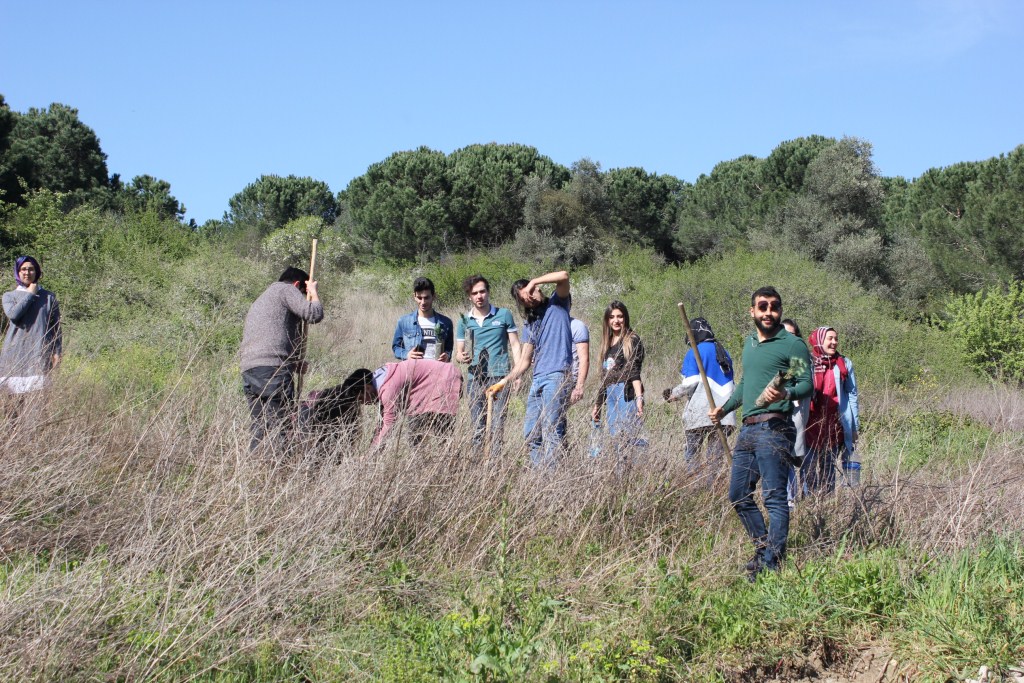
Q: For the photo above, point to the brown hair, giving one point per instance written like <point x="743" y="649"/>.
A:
<point x="628" y="336"/>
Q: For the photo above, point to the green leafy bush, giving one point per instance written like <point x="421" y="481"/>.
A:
<point x="290" y="245"/>
<point x="987" y="328"/>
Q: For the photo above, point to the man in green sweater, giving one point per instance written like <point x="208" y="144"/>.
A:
<point x="764" y="449"/>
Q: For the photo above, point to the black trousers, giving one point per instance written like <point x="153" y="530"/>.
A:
<point x="271" y="396"/>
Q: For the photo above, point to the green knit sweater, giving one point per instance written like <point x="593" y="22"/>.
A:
<point x="762" y="360"/>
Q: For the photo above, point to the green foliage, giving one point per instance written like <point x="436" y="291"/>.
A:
<point x="272" y="201"/>
<point x="98" y="262"/>
<point x="930" y="438"/>
<point x="135" y="369"/>
<point x="634" y="660"/>
<point x="969" y="609"/>
<point x="146" y="193"/>
<point x="400" y="205"/>
<point x="499" y="633"/>
<point x="570" y="225"/>
<point x="785" y="169"/>
<point x="643" y="206"/>
<point x="836" y="218"/>
<point x="51" y="149"/>
<point x="987" y="328"/>
<point x="967" y="217"/>
<point x="291" y="245"/>
<point x="7" y="120"/>
<point x="720" y="208"/>
<point x="824" y="606"/>
<point x="487" y="189"/>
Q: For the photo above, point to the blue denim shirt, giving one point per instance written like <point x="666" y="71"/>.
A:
<point x="849" y="408"/>
<point x="408" y="334"/>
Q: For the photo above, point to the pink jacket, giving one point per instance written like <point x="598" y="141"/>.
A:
<point x="418" y="386"/>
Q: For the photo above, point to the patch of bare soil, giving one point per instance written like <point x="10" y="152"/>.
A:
<point x="871" y="665"/>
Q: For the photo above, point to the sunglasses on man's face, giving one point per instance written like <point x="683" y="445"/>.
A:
<point x="763" y="306"/>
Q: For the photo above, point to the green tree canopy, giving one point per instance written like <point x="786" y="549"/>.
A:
<point x="968" y="218"/>
<point x="400" y="206"/>
<point x="719" y="208"/>
<point x="7" y="120"/>
<point x="272" y="201"/>
<point x="643" y="206"/>
<point x="488" y="189"/>
<point x="52" y="149"/>
<point x="836" y="218"/>
<point x="146" y="193"/>
<point x="784" y="170"/>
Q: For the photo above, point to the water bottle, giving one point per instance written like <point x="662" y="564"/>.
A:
<point x="851" y="470"/>
<point x="596" y="437"/>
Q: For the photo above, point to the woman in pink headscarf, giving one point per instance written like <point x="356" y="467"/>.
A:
<point x="834" y="420"/>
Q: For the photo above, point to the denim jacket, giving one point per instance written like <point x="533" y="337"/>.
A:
<point x="849" y="408"/>
<point x="408" y="335"/>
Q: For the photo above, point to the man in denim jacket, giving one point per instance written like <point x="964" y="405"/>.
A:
<point x="424" y="333"/>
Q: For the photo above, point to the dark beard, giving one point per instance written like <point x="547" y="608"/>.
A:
<point x="769" y="331"/>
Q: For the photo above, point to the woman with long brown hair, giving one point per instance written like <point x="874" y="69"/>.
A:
<point x="621" y="390"/>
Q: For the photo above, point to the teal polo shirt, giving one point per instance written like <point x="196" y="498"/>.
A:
<point x="491" y="333"/>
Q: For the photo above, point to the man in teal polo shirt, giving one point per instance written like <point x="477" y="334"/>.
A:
<point x="493" y="333"/>
<point x="764" y="448"/>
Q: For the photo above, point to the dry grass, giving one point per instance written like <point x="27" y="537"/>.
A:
<point x="137" y="535"/>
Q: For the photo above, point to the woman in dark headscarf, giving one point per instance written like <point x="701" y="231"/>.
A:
<point x="33" y="344"/>
<point x="834" y="420"/>
<point x="718" y="366"/>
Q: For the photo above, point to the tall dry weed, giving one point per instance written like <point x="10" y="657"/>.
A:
<point x="141" y="538"/>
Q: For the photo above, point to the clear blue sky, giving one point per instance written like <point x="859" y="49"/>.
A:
<point x="210" y="95"/>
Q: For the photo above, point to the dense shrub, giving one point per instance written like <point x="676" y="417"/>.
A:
<point x="290" y="246"/>
<point x="987" y="328"/>
<point x="885" y="347"/>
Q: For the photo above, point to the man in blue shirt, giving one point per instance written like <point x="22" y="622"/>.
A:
<point x="424" y="333"/>
<point x="483" y="338"/>
<point x="547" y="346"/>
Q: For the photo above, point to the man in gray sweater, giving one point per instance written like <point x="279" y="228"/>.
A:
<point x="270" y="352"/>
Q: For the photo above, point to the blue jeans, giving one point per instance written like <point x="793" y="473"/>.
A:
<point x="544" y="425"/>
<point x="762" y="452"/>
<point x="478" y="410"/>
<point x="622" y="419"/>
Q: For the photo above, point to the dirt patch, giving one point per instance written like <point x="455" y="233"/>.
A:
<point x="870" y="665"/>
